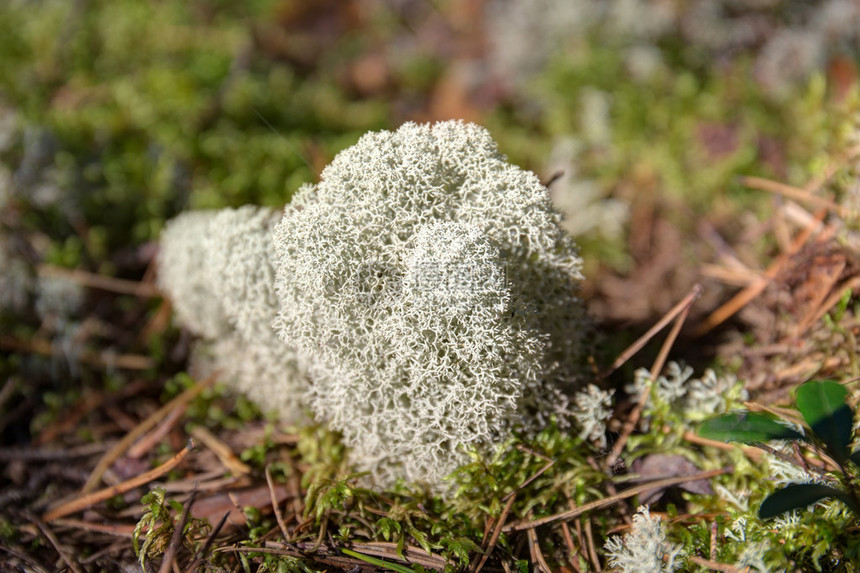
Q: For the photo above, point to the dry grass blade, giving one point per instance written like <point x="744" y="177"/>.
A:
<point x="224" y="453"/>
<point x="86" y="501"/>
<point x="99" y="360"/>
<point x="685" y="303"/>
<point x="46" y="531"/>
<point x="744" y="297"/>
<point x="101" y="282"/>
<point x="592" y="550"/>
<point x="749" y="451"/>
<point x="636" y="413"/>
<point x="276" y="507"/>
<point x="802" y="195"/>
<point x="535" y="552"/>
<point x="714" y="565"/>
<point x="150" y="440"/>
<point x="825" y="305"/>
<point x="571" y="548"/>
<point x="33" y="565"/>
<point x="412" y="554"/>
<point x="208" y="545"/>
<point x="117" y="530"/>
<point x="600" y="503"/>
<point x="728" y="275"/>
<point x="141" y="429"/>
<point x="71" y="419"/>
<point x="490" y="543"/>
<point x="534" y="476"/>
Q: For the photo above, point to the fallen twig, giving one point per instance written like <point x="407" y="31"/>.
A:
<point x="276" y="506"/>
<point x="570" y="514"/>
<point x="115" y="452"/>
<point x="91" y="280"/>
<point x="683" y="309"/>
<point x="86" y="501"/>
<point x="685" y="303"/>
<point x="226" y="456"/>
<point x="46" y="531"/>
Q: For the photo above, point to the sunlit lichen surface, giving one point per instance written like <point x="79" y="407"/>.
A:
<point x="642" y="117"/>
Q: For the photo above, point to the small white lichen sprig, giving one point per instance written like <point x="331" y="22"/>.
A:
<point x="216" y="266"/>
<point x="645" y="549"/>
<point x="694" y="399"/>
<point x="430" y="285"/>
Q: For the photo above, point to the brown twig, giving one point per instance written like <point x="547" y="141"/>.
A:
<point x="490" y="543"/>
<point x="224" y="453"/>
<point x="86" y="501"/>
<point x="275" y="505"/>
<point x="600" y="503"/>
<point x="115" y="452"/>
<point x="97" y="359"/>
<point x="741" y="299"/>
<point x="685" y="303"/>
<point x="46" y="531"/>
<point x="791" y="192"/>
<point x="662" y="356"/>
<point x="91" y="280"/>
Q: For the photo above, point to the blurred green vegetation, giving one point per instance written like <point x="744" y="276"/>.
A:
<point x="151" y="108"/>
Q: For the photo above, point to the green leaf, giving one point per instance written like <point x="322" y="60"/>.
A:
<point x="746" y="427"/>
<point x="824" y="406"/>
<point x="797" y="496"/>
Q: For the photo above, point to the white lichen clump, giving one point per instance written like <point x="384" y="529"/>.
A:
<point x="185" y="274"/>
<point x="421" y="299"/>
<point x="216" y="266"/>
<point x="645" y="549"/>
<point x="430" y="286"/>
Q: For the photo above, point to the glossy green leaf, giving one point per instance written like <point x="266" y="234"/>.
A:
<point x="746" y="427"/>
<point x="824" y="406"/>
<point x="798" y="496"/>
<point x="855" y="457"/>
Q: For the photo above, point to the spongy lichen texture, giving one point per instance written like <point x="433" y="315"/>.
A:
<point x="216" y="267"/>
<point x="428" y="283"/>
